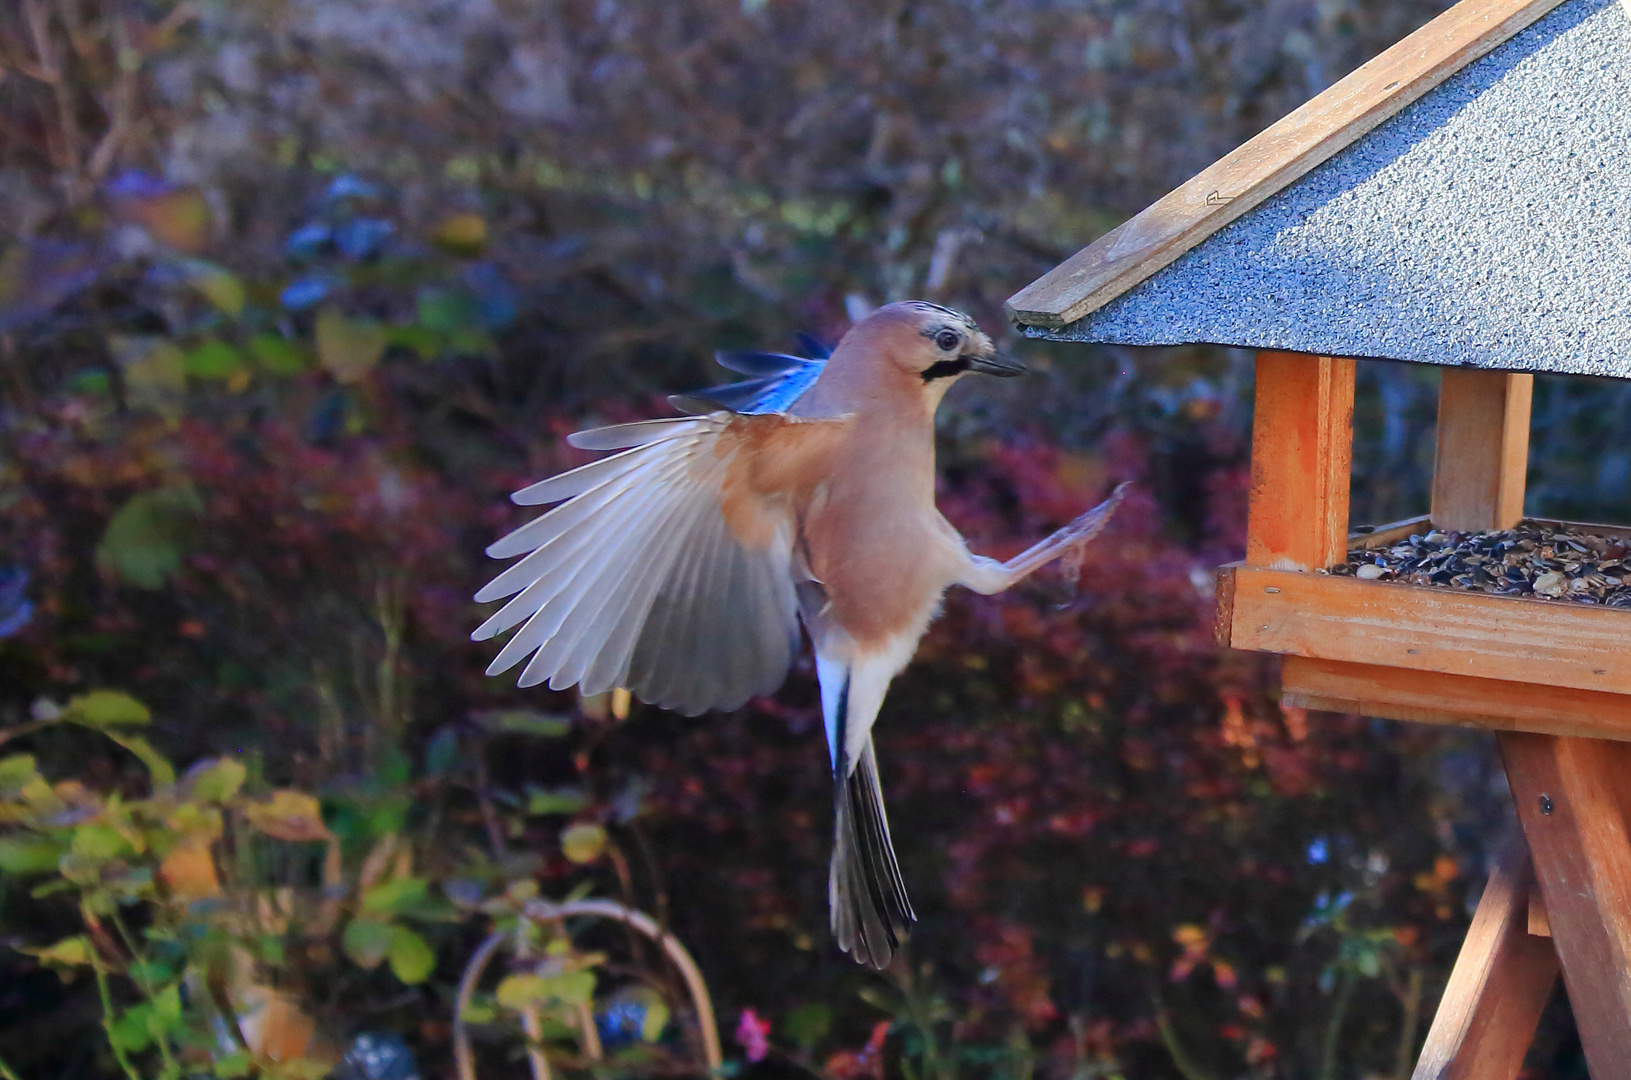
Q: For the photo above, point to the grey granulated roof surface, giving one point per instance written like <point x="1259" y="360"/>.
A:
<point x="1487" y="224"/>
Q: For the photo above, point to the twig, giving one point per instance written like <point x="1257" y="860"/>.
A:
<point x="390" y="602"/>
<point x="590" y="1036"/>
<point x="50" y="72"/>
<point x="648" y="855"/>
<point x="179" y="16"/>
<point x="1169" y="1039"/>
<point x="1333" y="1030"/>
<point x="120" y="110"/>
<point x="1404" y="1062"/>
<point x="484" y="799"/>
<point x="17" y="732"/>
<point x="145" y="984"/>
<point x="463" y="1060"/>
<point x="533" y="1025"/>
<point x="107" y="1023"/>
<point x="625" y="884"/>
<point x="531" y="1022"/>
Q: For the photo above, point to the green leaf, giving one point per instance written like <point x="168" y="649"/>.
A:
<point x="219" y="286"/>
<point x="395" y="896"/>
<point x="654" y="1020"/>
<point x="367" y="941"/>
<point x="809" y="1024"/>
<point x="145" y="539"/>
<point x="31" y="855"/>
<point x="99" y="843"/>
<point x="234" y="1065"/>
<point x="346" y="347"/>
<point x="421" y="340"/>
<point x="393" y="768"/>
<point x="160" y="769"/>
<point x="151" y="971"/>
<point x="583" y="843"/>
<point x="91" y="382"/>
<point x="290" y="815"/>
<point x="214" y="359"/>
<point x="462" y="233"/>
<point x="527" y="722"/>
<point x="193" y="820"/>
<point x="16" y="772"/>
<point x="521" y="991"/>
<point x="69" y="953"/>
<point x="571" y="987"/>
<point x="106" y="709"/>
<point x="155" y="372"/>
<point x="133" y="1032"/>
<point x="277" y="355"/>
<point x="167" y="1007"/>
<point x="449" y="313"/>
<point x="411" y="959"/>
<point x="480" y="1012"/>
<point x="218" y="781"/>
<point x="564" y="800"/>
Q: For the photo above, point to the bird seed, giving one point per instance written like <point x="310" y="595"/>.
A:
<point x="1529" y="560"/>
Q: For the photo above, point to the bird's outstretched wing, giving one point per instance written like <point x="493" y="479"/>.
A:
<point x="666" y="568"/>
<point x="777" y="381"/>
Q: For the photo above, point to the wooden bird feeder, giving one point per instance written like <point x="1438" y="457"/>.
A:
<point x="1459" y="200"/>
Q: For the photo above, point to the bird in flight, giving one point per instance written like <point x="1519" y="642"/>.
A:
<point x="682" y="566"/>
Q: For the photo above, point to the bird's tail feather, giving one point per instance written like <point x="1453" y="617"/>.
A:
<point x="870" y="911"/>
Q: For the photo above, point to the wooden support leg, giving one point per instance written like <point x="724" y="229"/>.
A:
<point x="1500" y="984"/>
<point x="1504" y="975"/>
<point x="1572" y="796"/>
<point x="1302" y="452"/>
<point x="1483" y="449"/>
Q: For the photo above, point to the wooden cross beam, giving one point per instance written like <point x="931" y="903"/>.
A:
<point x="1487" y="1016"/>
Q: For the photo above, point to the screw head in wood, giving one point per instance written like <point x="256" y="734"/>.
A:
<point x="1546" y="804"/>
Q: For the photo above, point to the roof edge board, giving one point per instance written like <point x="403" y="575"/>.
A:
<point x="1266" y="164"/>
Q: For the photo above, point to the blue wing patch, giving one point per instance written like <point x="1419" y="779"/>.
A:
<point x="778" y="381"/>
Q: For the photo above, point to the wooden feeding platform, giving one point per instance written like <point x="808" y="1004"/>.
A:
<point x="1459" y="201"/>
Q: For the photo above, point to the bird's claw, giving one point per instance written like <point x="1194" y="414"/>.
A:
<point x="1088" y="525"/>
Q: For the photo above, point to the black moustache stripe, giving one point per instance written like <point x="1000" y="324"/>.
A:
<point x="940" y="369"/>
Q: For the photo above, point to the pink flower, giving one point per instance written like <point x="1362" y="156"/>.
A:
<point x="754" y="1035"/>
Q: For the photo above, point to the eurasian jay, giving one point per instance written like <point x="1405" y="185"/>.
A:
<point x="682" y="567"/>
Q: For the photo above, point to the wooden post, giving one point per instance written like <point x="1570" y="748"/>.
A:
<point x="1503" y="975"/>
<point x="1483" y="449"/>
<point x="1572" y="797"/>
<point x="1501" y="982"/>
<point x="1302" y="451"/>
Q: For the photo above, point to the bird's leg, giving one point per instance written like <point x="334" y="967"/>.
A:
<point x="989" y="576"/>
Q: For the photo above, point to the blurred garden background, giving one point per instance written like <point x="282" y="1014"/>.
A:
<point x="293" y="293"/>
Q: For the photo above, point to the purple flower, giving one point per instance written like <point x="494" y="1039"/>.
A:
<point x="754" y="1035"/>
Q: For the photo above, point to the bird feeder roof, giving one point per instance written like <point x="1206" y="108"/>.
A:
<point x="1460" y="199"/>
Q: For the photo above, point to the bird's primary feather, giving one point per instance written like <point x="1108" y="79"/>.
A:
<point x="666" y="568"/>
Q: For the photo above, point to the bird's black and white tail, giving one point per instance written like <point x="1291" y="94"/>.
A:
<point x="870" y="911"/>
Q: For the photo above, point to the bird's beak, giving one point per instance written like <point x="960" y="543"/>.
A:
<point x="997" y="365"/>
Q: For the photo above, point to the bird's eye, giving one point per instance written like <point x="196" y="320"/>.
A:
<point x="948" y="339"/>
